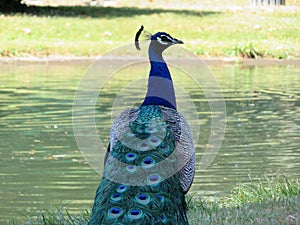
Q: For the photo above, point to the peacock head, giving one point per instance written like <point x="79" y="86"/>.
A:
<point x="159" y="41"/>
<point x="165" y="39"/>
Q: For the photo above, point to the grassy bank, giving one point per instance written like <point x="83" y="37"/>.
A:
<point x="91" y="31"/>
<point x="272" y="200"/>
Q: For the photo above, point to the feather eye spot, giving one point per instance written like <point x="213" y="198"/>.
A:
<point x="116" y="197"/>
<point x="144" y="146"/>
<point x="148" y="162"/>
<point x="122" y="188"/>
<point x="142" y="198"/>
<point x="135" y="214"/>
<point x="130" y="156"/>
<point x="115" y="212"/>
<point x="131" y="168"/>
<point x="154" y="141"/>
<point x="153" y="179"/>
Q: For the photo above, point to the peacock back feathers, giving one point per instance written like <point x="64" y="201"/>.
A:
<point x="149" y="168"/>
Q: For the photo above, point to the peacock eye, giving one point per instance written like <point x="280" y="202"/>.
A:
<point x="165" y="39"/>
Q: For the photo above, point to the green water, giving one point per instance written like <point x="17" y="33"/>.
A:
<point x="42" y="167"/>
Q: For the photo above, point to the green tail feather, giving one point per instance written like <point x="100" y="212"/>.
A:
<point x="138" y="156"/>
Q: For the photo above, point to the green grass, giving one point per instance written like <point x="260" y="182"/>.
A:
<point x="283" y="211"/>
<point x="274" y="188"/>
<point x="272" y="200"/>
<point x="60" y="216"/>
<point x="93" y="31"/>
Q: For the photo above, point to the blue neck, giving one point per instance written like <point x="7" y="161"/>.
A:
<point x="160" y="85"/>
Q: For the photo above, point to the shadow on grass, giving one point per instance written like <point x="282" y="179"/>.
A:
<point x="103" y="12"/>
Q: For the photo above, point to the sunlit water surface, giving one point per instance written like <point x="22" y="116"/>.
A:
<point x="42" y="167"/>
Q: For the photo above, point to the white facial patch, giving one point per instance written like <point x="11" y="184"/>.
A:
<point x="164" y="42"/>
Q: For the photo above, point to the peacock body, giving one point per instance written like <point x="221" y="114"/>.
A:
<point x="150" y="160"/>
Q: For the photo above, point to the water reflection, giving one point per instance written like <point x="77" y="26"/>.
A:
<point x="41" y="165"/>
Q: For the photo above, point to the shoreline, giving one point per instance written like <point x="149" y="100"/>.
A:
<point x="91" y="59"/>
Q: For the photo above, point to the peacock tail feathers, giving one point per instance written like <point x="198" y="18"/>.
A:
<point x="156" y="131"/>
<point x="144" y="180"/>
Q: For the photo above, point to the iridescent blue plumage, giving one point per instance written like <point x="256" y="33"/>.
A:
<point x="150" y="163"/>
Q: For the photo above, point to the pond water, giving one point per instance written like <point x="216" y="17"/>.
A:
<point x="42" y="167"/>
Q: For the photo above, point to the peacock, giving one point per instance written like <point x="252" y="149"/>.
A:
<point x="150" y="161"/>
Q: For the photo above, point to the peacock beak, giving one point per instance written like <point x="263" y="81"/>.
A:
<point x="176" y="41"/>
